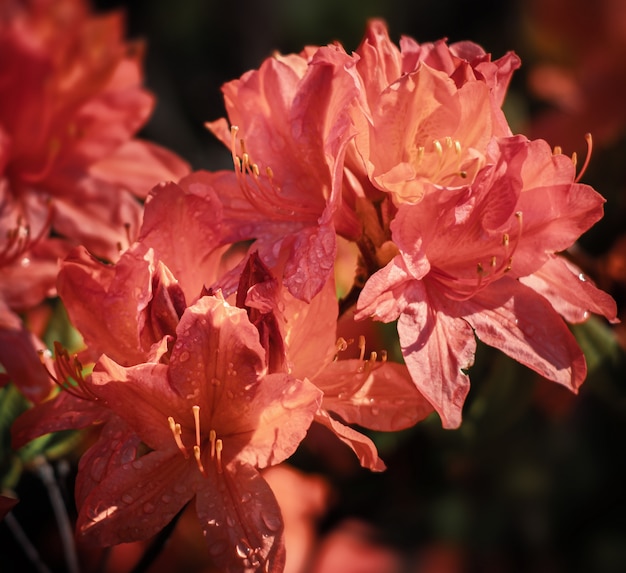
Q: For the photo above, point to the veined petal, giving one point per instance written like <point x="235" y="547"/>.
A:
<point x="360" y="444"/>
<point x="437" y="347"/>
<point x="383" y="395"/>
<point x="525" y="326"/>
<point x="138" y="499"/>
<point x="570" y="291"/>
<point x="241" y="521"/>
<point x="279" y="414"/>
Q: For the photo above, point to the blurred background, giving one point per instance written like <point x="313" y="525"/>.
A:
<point x="535" y="478"/>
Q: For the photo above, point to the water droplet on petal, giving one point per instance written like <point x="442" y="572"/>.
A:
<point x="97" y="468"/>
<point x="246" y="496"/>
<point x="243" y="549"/>
<point x="582" y="277"/>
<point x="272" y="521"/>
<point x="215" y="381"/>
<point x="184" y="356"/>
<point x="230" y="521"/>
<point x="180" y="488"/>
<point x="137" y="464"/>
<point x="585" y="315"/>
<point x="127" y="498"/>
<point x="166" y="498"/>
<point x="148" y="507"/>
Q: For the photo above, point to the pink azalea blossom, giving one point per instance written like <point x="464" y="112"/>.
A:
<point x="289" y="127"/>
<point x="209" y="419"/>
<point x="70" y="103"/>
<point x="301" y="339"/>
<point x="427" y="112"/>
<point x="125" y="309"/>
<point x="481" y="260"/>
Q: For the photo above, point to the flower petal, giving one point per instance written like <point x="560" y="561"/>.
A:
<point x="241" y="520"/>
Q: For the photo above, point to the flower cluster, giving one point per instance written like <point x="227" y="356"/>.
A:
<point x="210" y="311"/>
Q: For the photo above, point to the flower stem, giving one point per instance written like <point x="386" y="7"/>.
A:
<point x="22" y="539"/>
<point x="46" y="474"/>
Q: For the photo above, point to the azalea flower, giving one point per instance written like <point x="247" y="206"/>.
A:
<point x="427" y="112"/>
<point x="209" y="419"/>
<point x="302" y="339"/>
<point x="289" y="127"/>
<point x="70" y="103"/>
<point x="482" y="260"/>
<point x="125" y="309"/>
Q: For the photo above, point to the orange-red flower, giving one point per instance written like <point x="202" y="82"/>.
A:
<point x="209" y="419"/>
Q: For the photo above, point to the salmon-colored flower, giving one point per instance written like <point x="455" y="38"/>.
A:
<point x="301" y="338"/>
<point x="289" y="127"/>
<point x="209" y="419"/>
<point x="124" y="310"/>
<point x="70" y="103"/>
<point x="427" y="111"/>
<point x="481" y="259"/>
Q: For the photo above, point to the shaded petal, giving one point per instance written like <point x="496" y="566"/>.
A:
<point x="106" y="303"/>
<point x="138" y="499"/>
<point x="384" y="396"/>
<point x="360" y="444"/>
<point x="22" y="365"/>
<point x="64" y="412"/>
<point x="241" y="520"/>
<point x="116" y="445"/>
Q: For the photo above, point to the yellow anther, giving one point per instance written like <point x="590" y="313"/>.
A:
<point x="218" y="451"/>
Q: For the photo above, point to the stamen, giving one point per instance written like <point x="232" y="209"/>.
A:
<point x="196" y="454"/>
<point x="177" y="432"/>
<point x="361" y="347"/>
<point x="196" y="419"/>
<point x="438" y="148"/>
<point x="212" y="437"/>
<point x="589" y="141"/>
<point x="218" y="450"/>
<point x="342" y="344"/>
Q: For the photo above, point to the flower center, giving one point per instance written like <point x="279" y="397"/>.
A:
<point x="262" y="191"/>
<point x="216" y="445"/>
<point x="464" y="289"/>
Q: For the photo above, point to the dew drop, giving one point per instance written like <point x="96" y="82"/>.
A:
<point x="127" y="498"/>
<point x="25" y="262"/>
<point x="243" y="549"/>
<point x="166" y="498"/>
<point x="148" y="507"/>
<point x="246" y="496"/>
<point x="230" y="521"/>
<point x="582" y="277"/>
<point x="97" y="468"/>
<point x="184" y="356"/>
<point x="137" y="464"/>
<point x="585" y="315"/>
<point x="180" y="488"/>
<point x="215" y="381"/>
<point x="272" y="521"/>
